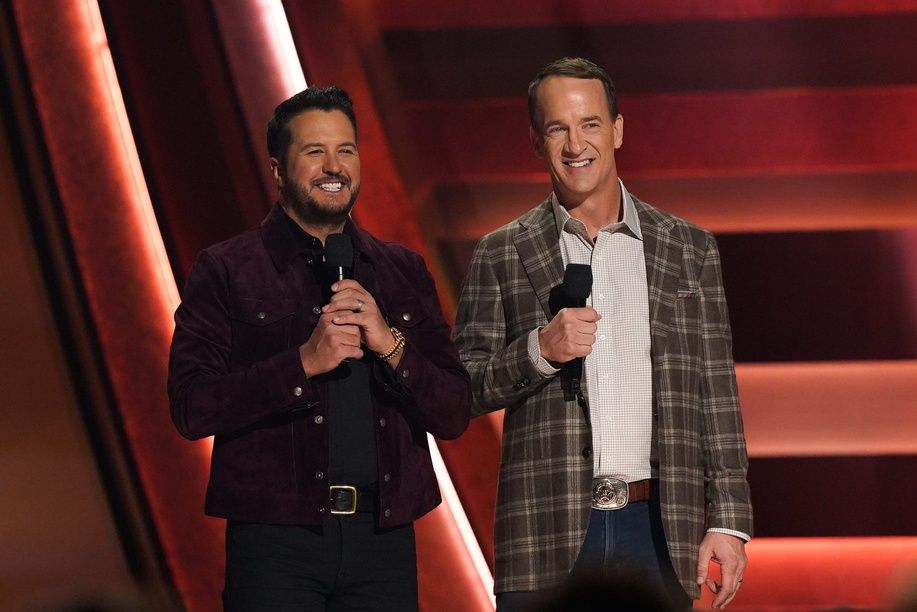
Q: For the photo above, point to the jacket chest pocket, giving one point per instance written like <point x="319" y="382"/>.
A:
<point x="261" y="328"/>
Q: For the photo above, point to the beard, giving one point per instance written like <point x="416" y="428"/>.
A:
<point x="312" y="212"/>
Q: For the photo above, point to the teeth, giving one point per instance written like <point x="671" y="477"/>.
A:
<point x="579" y="164"/>
<point x="332" y="187"/>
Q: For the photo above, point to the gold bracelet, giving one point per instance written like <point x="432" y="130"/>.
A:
<point x="400" y="341"/>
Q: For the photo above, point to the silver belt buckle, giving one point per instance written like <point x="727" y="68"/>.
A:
<point x="609" y="493"/>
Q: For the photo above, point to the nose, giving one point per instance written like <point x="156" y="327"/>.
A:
<point x="573" y="145"/>
<point x="332" y="164"/>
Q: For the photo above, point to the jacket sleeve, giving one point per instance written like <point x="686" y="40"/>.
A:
<point x="502" y="373"/>
<point x="430" y="386"/>
<point x="207" y="395"/>
<point x="725" y="455"/>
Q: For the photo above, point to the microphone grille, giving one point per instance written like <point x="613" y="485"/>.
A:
<point x="338" y="251"/>
<point x="578" y="281"/>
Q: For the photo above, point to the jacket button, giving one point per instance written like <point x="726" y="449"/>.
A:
<point x="319" y="475"/>
<point x="387" y="478"/>
<point x="261" y="315"/>
<point x="321" y="510"/>
<point x="382" y="422"/>
<point x="297" y="391"/>
<point x="387" y="513"/>
<point x="318" y="419"/>
<point x="310" y="261"/>
<point x="317" y="310"/>
<point x="406" y="316"/>
<point x="405" y="373"/>
<point x="587" y="452"/>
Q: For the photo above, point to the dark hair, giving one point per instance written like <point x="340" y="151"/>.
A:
<point x="314" y="98"/>
<point x="577" y="68"/>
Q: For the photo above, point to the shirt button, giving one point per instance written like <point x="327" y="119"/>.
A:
<point x="387" y="478"/>
<point x="261" y="315"/>
<point x="387" y="513"/>
<point x="602" y="337"/>
<point x="601" y="296"/>
<point x="317" y="310"/>
<point x="310" y="261"/>
<point x="319" y="475"/>
<point x="318" y="419"/>
<point x="297" y="391"/>
<point x="382" y="422"/>
<point x="405" y="373"/>
<point x="587" y="452"/>
<point x="406" y="316"/>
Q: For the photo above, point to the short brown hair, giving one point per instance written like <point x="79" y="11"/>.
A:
<point x="577" y="68"/>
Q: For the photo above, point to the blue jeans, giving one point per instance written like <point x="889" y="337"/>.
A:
<point x="624" y="555"/>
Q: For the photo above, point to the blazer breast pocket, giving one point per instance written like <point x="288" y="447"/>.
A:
<point x="261" y="328"/>
<point x="686" y="307"/>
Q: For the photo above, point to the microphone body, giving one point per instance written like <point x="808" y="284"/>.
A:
<point x="573" y="293"/>
<point x="338" y="259"/>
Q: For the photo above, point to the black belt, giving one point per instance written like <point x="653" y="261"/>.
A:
<point x="346" y="499"/>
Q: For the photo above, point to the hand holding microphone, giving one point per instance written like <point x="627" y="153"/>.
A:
<point x="569" y="337"/>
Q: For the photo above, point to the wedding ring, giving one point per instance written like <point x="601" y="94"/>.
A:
<point x="360" y="305"/>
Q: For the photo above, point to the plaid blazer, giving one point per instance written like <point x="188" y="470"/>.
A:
<point x="545" y="486"/>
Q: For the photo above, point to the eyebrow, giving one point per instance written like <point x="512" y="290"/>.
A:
<point x="322" y="145"/>
<point x="592" y="118"/>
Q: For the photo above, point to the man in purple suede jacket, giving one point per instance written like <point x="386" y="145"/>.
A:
<point x="319" y="392"/>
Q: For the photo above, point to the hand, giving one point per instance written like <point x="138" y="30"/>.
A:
<point x="729" y="552"/>
<point x="570" y="334"/>
<point x="351" y="304"/>
<point x="329" y="345"/>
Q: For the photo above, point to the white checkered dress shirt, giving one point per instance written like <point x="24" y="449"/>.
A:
<point x="619" y="370"/>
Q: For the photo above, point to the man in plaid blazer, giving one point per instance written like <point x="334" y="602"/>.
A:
<point x="642" y="470"/>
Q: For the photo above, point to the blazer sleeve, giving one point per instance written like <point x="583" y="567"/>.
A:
<point x="502" y="374"/>
<point x="725" y="455"/>
<point x="206" y="395"/>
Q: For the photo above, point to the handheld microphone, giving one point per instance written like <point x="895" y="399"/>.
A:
<point x="339" y="257"/>
<point x="573" y="293"/>
<point x="338" y="261"/>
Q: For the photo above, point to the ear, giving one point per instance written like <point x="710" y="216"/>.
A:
<point x="618" y="126"/>
<point x="537" y="142"/>
<point x="277" y="172"/>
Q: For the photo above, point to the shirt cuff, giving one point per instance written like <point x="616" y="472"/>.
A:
<point x="739" y="534"/>
<point x="541" y="364"/>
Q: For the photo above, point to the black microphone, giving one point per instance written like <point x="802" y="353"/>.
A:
<point x="339" y="257"/>
<point x="338" y="260"/>
<point x="573" y="293"/>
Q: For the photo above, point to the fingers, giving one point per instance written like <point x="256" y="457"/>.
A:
<point x="569" y="335"/>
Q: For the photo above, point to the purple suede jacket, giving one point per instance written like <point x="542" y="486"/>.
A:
<point x="235" y="373"/>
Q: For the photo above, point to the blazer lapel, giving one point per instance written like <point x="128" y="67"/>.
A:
<point x="539" y="250"/>
<point x="663" y="254"/>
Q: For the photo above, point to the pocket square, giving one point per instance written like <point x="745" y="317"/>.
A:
<point x="685" y="293"/>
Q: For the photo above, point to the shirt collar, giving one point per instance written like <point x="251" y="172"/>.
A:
<point x="284" y="239"/>
<point x="631" y="221"/>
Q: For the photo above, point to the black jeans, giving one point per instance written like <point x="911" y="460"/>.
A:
<point x="346" y="564"/>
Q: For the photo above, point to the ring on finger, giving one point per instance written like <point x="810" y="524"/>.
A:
<point x="360" y="304"/>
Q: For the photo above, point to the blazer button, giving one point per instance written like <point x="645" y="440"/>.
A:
<point x="587" y="452"/>
<point x="318" y="419"/>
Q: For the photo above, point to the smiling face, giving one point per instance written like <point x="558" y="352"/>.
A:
<point x="576" y="137"/>
<point x="319" y="179"/>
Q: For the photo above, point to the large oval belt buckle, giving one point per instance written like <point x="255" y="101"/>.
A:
<point x="609" y="493"/>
